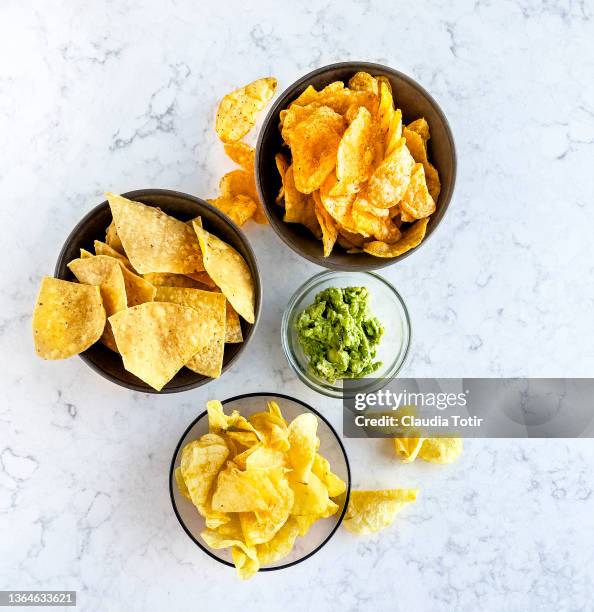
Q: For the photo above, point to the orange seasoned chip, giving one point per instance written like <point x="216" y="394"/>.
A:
<point x="389" y="181"/>
<point x="363" y="81"/>
<point x="314" y="145"/>
<point x="281" y="165"/>
<point x="240" y="182"/>
<point x="418" y="148"/>
<point x="355" y="153"/>
<point x="327" y="223"/>
<point x="370" y="221"/>
<point x="299" y="208"/>
<point x="394" y="132"/>
<point x="242" y="154"/>
<point x="410" y="238"/>
<point x="238" y="110"/>
<point x="238" y="208"/>
<point x="421" y="127"/>
<point x="416" y="202"/>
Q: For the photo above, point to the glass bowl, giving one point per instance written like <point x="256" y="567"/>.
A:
<point x="386" y="304"/>
<point x="331" y="447"/>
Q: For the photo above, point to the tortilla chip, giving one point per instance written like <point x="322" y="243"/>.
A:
<point x="164" y="279"/>
<point x="208" y="360"/>
<point x="229" y="271"/>
<point x="233" y="334"/>
<point x="157" y="339"/>
<point x="154" y="241"/>
<point x="68" y="318"/>
<point x="113" y="240"/>
<point x="104" y="249"/>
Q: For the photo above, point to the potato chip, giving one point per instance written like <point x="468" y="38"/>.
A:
<point x="334" y="484"/>
<point x="263" y="457"/>
<point x="280" y="545"/>
<point x="242" y="491"/>
<point x="410" y="238"/>
<point x="314" y="145"/>
<point x="113" y="240"/>
<point x="218" y="541"/>
<point x="385" y="111"/>
<point x="390" y="179"/>
<point x="371" y="511"/>
<point x="68" y="318"/>
<point x="303" y="441"/>
<point x="239" y="208"/>
<point x="107" y="274"/>
<point x="407" y="449"/>
<point x="281" y="165"/>
<point x="421" y="127"/>
<point x="261" y="527"/>
<point x="337" y="205"/>
<point x="233" y="334"/>
<point x="272" y="429"/>
<point x="441" y="450"/>
<point x="369" y="221"/>
<point x="311" y="498"/>
<point x="394" y="132"/>
<point x="154" y="241"/>
<point x="201" y="461"/>
<point x="418" y="149"/>
<point x="299" y="208"/>
<point x="416" y="202"/>
<point x="327" y="223"/>
<point x="355" y="153"/>
<point x="229" y="271"/>
<point x="181" y="483"/>
<point x="363" y="81"/>
<point x="238" y="110"/>
<point x="245" y="565"/>
<point x="240" y="182"/>
<point x="208" y="359"/>
<point x="242" y="154"/>
<point x="339" y="98"/>
<point x="157" y="339"/>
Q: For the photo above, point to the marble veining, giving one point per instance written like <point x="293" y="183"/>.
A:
<point x="104" y="95"/>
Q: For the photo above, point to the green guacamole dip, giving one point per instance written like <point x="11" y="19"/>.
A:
<point x="339" y="335"/>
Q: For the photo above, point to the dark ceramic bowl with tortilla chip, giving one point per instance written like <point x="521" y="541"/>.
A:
<point x="414" y="101"/>
<point x="183" y="207"/>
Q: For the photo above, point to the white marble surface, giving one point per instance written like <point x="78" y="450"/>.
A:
<point x="121" y="95"/>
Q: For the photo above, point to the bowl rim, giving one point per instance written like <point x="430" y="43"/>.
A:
<point x="142" y="387"/>
<point x="203" y="547"/>
<point x="307" y="380"/>
<point x="282" y="101"/>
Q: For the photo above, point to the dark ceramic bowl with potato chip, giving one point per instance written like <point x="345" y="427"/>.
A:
<point x="414" y="101"/>
<point x="183" y="207"/>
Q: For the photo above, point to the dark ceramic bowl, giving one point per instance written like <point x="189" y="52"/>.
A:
<point x="183" y="207"/>
<point x="414" y="101"/>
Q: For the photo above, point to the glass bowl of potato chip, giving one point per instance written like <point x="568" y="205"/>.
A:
<point x="346" y="332"/>
<point x="260" y="482"/>
<point x="355" y="165"/>
<point x="156" y="290"/>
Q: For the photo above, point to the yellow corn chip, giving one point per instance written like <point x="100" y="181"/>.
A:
<point x="208" y="359"/>
<point x="165" y="279"/>
<point x="229" y="271"/>
<point x="157" y="339"/>
<point x="68" y="318"/>
<point x="233" y="334"/>
<point x="113" y="240"/>
<point x="154" y="241"/>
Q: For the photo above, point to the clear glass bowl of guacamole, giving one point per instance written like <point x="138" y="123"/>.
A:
<point x="368" y="306"/>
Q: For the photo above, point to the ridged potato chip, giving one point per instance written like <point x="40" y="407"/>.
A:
<point x="156" y="339"/>
<point x="154" y="241"/>
<point x="355" y="153"/>
<point x="416" y="202"/>
<point x="418" y="148"/>
<point x="68" y="318"/>
<point x="409" y="239"/>
<point x="314" y="145"/>
<point x="242" y="154"/>
<point x="327" y="223"/>
<point x="229" y="271"/>
<point x="238" y="110"/>
<point x="371" y="511"/>
<point x="390" y="179"/>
